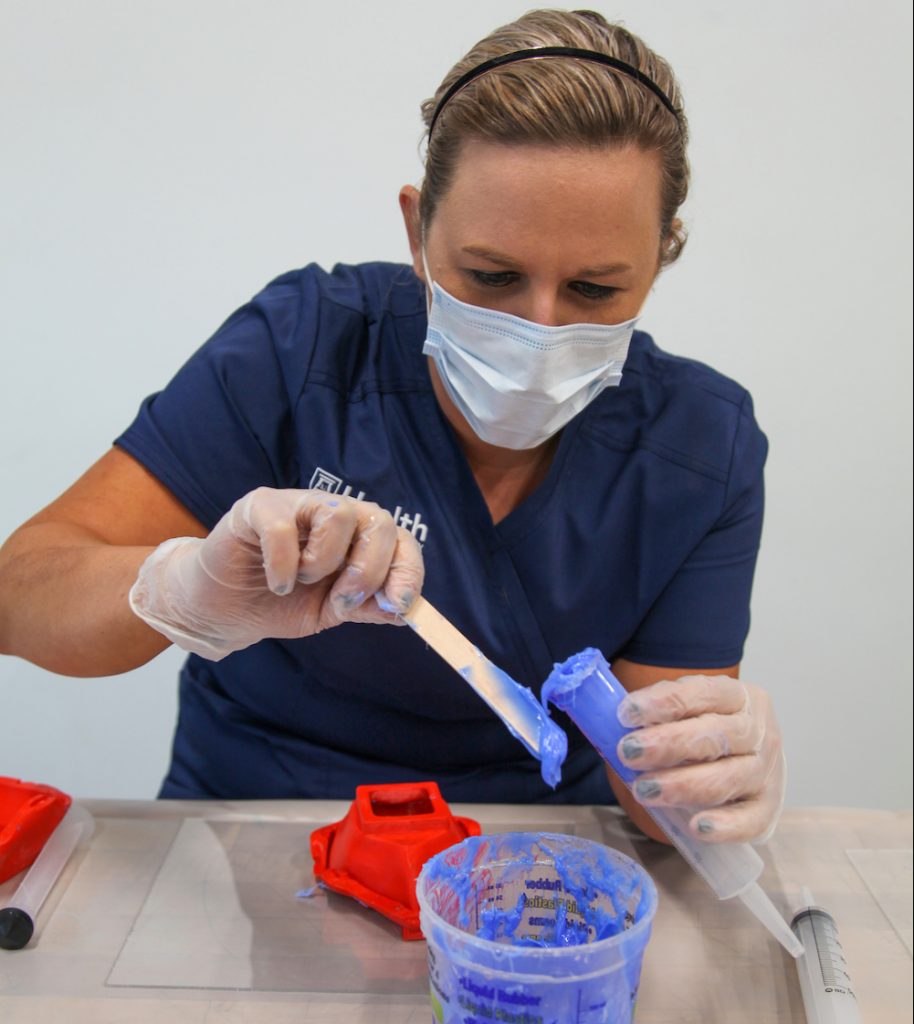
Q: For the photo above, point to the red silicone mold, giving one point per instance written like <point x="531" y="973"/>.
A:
<point x="29" y="813"/>
<point x="376" y="852"/>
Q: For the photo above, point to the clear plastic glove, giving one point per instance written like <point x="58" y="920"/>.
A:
<point x="707" y="742"/>
<point x="280" y="563"/>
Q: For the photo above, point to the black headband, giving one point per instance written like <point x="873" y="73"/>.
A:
<point x="553" y="51"/>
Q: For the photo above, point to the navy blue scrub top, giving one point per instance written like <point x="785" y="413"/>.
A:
<point x="641" y="541"/>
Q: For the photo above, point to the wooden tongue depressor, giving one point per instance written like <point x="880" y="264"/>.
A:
<point x="514" y="704"/>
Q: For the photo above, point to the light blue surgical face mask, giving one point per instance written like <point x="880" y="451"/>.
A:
<point x="515" y="382"/>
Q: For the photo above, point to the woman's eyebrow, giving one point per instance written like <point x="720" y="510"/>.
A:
<point x="493" y="256"/>
<point x="609" y="268"/>
<point x="490" y="254"/>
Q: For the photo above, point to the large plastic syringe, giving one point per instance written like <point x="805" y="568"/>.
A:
<point x="587" y="691"/>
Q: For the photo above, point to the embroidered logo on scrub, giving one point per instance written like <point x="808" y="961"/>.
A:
<point x="322" y="480"/>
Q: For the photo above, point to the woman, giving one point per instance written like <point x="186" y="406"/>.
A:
<point x="488" y="419"/>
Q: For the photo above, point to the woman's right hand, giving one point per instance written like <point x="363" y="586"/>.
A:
<point x="280" y="563"/>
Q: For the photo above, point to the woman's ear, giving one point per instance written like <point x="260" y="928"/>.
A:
<point x="409" y="207"/>
<point x="672" y="244"/>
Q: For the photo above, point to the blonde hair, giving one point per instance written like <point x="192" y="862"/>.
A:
<point x="561" y="101"/>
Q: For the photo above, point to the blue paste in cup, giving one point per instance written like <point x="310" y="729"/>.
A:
<point x="534" y="928"/>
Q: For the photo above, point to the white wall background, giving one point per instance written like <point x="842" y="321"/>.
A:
<point x="160" y="160"/>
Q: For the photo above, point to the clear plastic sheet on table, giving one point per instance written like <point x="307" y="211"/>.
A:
<point x="888" y="876"/>
<point x="227" y="911"/>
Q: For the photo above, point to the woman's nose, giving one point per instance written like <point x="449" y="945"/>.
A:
<point x="542" y="307"/>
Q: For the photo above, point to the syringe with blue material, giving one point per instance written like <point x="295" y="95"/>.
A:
<point x="584" y="688"/>
<point x="587" y="691"/>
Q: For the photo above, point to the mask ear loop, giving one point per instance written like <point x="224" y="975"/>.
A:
<point x="429" y="293"/>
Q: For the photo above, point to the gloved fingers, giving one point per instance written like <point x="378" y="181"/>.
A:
<point x="703" y="785"/>
<point x="742" y="794"/>
<point x="775" y="795"/>
<point x="328" y="527"/>
<point x="270" y="518"/>
<point x="690" y="740"/>
<point x="686" y="697"/>
<point x="407" y="572"/>
<point x="751" y="820"/>
<point x="372" y="612"/>
<point x="262" y="536"/>
<point x="368" y="563"/>
<point x="404" y="581"/>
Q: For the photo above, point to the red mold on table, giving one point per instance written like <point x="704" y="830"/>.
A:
<point x="376" y="852"/>
<point x="29" y="813"/>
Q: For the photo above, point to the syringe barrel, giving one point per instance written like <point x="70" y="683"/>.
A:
<point x="824" y="980"/>
<point x="587" y="691"/>
<point x="75" y="825"/>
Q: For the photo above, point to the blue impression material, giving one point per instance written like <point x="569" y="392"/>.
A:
<point x="551" y="747"/>
<point x="516" y="706"/>
<point x="592" y="707"/>
<point x="534" y="928"/>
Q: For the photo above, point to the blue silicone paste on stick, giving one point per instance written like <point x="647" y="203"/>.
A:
<point x="526" y="718"/>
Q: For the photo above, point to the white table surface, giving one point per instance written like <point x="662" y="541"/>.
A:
<point x="189" y="913"/>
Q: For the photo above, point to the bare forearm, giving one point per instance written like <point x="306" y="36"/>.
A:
<point x="63" y="602"/>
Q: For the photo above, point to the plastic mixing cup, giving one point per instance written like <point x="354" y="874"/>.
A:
<point x="534" y="928"/>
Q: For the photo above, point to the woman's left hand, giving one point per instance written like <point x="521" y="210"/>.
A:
<point x="708" y="742"/>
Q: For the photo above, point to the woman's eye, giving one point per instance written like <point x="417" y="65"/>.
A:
<point x="494" y="278"/>
<point x="593" y="291"/>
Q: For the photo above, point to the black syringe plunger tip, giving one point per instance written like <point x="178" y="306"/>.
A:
<point x="16" y="928"/>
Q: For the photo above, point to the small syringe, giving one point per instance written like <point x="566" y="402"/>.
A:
<point x="587" y="691"/>
<point x="824" y="981"/>
<point x="17" y="918"/>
